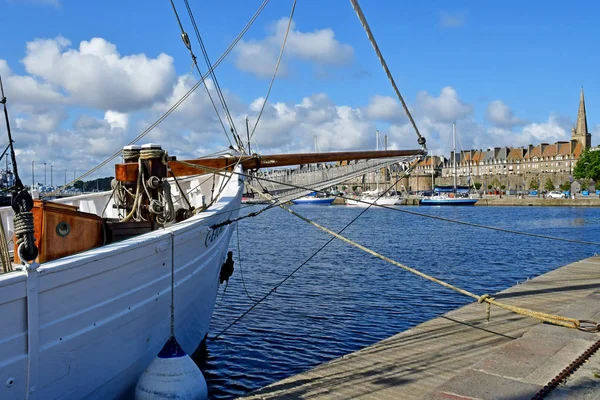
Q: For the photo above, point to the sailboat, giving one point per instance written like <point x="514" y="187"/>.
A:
<point x="448" y="199"/>
<point x="314" y="198"/>
<point x="96" y="284"/>
<point x="374" y="197"/>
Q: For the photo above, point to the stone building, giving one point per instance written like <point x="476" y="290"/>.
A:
<point x="513" y="168"/>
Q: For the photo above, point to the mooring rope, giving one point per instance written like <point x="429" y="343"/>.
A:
<point x="365" y="24"/>
<point x="435" y="217"/>
<point x="550" y="318"/>
<point x="288" y="276"/>
<point x="558" y="320"/>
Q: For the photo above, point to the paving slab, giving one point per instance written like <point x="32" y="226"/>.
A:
<point x="461" y="356"/>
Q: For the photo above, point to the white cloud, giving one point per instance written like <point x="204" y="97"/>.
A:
<point x="320" y="47"/>
<point x="444" y="108"/>
<point x="27" y="90"/>
<point x="501" y="115"/>
<point x="385" y="108"/>
<point x="39" y="119"/>
<point x="46" y="129"/>
<point x="552" y="130"/>
<point x="96" y="75"/>
<point x="116" y="119"/>
<point x="292" y="127"/>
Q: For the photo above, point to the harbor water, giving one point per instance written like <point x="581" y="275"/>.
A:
<point x="344" y="299"/>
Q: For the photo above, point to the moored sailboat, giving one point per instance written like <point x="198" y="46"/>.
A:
<point x="97" y="283"/>
<point x="454" y="198"/>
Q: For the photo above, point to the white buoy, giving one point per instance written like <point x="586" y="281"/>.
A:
<point x="172" y="375"/>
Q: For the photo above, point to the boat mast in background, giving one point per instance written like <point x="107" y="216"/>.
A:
<point x="454" y="152"/>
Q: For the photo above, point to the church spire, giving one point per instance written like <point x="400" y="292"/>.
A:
<point x="581" y="127"/>
<point x="580" y="130"/>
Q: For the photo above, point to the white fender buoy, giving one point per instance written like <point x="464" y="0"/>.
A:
<point x="172" y="375"/>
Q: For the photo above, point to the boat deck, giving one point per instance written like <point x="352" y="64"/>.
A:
<point x="460" y="356"/>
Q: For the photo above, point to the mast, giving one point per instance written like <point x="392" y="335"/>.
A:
<point x="377" y="149"/>
<point x="454" y="153"/>
<point x="432" y="183"/>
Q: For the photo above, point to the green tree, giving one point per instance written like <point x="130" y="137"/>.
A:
<point x="503" y="187"/>
<point x="477" y="185"/>
<point x="549" y="185"/>
<point x="490" y="187"/>
<point x="495" y="182"/>
<point x="79" y="185"/>
<point x="584" y="184"/>
<point x="534" y="184"/>
<point x="565" y="186"/>
<point x="588" y="166"/>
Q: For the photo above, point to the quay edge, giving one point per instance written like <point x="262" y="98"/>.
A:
<point x="459" y="355"/>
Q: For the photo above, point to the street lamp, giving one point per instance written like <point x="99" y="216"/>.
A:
<point x="45" y="174"/>
<point x="32" y="175"/>
<point x="65" y="177"/>
<point x="51" y="176"/>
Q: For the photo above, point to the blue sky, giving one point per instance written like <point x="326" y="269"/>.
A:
<point x="530" y="58"/>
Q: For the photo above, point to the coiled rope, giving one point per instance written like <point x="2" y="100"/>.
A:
<point x="24" y="226"/>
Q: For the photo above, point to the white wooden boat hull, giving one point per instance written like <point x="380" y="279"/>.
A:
<point x="87" y="325"/>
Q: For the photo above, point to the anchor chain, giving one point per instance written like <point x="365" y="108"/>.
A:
<point x="565" y="373"/>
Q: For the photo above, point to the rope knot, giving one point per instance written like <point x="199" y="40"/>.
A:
<point x="484" y="297"/>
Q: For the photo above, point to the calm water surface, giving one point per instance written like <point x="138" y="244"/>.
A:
<point x="343" y="299"/>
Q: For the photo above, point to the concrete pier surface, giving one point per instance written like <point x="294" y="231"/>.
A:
<point x="459" y="356"/>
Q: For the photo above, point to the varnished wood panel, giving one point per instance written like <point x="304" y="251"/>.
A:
<point x="85" y="230"/>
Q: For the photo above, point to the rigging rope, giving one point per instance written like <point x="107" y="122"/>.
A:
<point x="262" y="108"/>
<point x="492" y="228"/>
<point x="214" y="77"/>
<point x="177" y="104"/>
<point x="237" y="231"/>
<point x="363" y="21"/>
<point x="188" y="45"/>
<point x="558" y="320"/>
<point x="264" y="297"/>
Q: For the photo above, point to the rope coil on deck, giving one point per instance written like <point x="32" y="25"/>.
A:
<point x="23" y="222"/>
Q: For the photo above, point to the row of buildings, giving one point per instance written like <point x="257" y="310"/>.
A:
<point x="511" y="167"/>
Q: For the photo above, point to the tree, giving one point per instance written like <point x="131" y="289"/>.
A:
<point x="584" y="185"/>
<point x="534" y="184"/>
<point x="490" y="187"/>
<point x="549" y="185"/>
<point x="565" y="186"/>
<point x="588" y="166"/>
<point x="495" y="182"/>
<point x="477" y="185"/>
<point x="503" y="187"/>
<point x="79" y="185"/>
